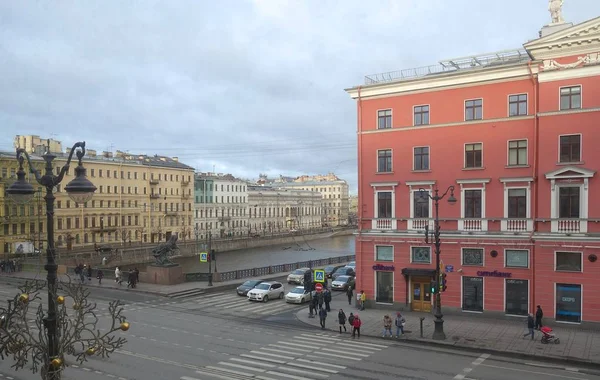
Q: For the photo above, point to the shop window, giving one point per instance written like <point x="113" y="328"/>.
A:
<point x="568" y="261"/>
<point x="516" y="258"/>
<point x="420" y="255"/>
<point x="472" y="256"/>
<point x="384" y="253"/>
<point x="385" y="287"/>
<point x="568" y="303"/>
<point x="472" y="294"/>
<point x="517" y="297"/>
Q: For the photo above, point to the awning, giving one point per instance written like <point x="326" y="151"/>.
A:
<point x="420" y="272"/>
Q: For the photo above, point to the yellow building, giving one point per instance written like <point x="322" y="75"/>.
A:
<point x="139" y="199"/>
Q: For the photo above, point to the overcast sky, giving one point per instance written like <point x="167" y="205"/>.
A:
<point x="248" y="87"/>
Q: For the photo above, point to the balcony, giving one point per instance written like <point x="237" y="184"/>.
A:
<point x="186" y="196"/>
<point x="104" y="229"/>
<point x="185" y="182"/>
<point x="153" y="181"/>
<point x="224" y="218"/>
<point x="419" y="224"/>
<point x="569" y="226"/>
<point x="472" y="225"/>
<point x="171" y="213"/>
<point x="387" y="224"/>
<point x="154" y="196"/>
<point x="516" y="225"/>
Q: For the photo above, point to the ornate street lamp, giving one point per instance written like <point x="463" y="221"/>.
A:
<point x="15" y="338"/>
<point x="438" y="333"/>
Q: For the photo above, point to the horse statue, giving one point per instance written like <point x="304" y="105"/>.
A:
<point x="162" y="252"/>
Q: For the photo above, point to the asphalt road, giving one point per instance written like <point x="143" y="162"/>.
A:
<point x="224" y="336"/>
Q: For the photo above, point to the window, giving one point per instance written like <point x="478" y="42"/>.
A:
<point x="384" y="161"/>
<point x="385" y="287"/>
<point x="517" y="203"/>
<point x="421" y="115"/>
<point x="517" y="105"/>
<point x="472" y="299"/>
<point x="517" y="297"/>
<point x="384" y="119"/>
<point x="472" y="203"/>
<point x="473" y="155"/>
<point x="421" y="255"/>
<point x="570" y="98"/>
<point x="568" y="303"/>
<point x="569" y="261"/>
<point x="570" y="148"/>
<point x="472" y="256"/>
<point x="568" y="202"/>
<point x="516" y="258"/>
<point x="517" y="152"/>
<point x="474" y="109"/>
<point x="420" y="204"/>
<point x="384" y="253"/>
<point x="421" y="158"/>
<point x="384" y="204"/>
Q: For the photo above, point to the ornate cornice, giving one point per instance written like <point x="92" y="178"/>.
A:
<point x="587" y="60"/>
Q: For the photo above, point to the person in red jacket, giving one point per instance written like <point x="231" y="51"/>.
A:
<point x="356" y="323"/>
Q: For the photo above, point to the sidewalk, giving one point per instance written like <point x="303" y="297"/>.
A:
<point x="154" y="289"/>
<point x="503" y="337"/>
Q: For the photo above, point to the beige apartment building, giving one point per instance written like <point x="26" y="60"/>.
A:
<point x="139" y="199"/>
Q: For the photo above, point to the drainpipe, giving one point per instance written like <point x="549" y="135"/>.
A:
<point x="360" y="204"/>
<point x="534" y="185"/>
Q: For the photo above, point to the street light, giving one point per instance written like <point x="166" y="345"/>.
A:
<point x="80" y="190"/>
<point x="438" y="333"/>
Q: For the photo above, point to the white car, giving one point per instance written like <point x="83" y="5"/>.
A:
<point x="265" y="291"/>
<point x="297" y="276"/>
<point x="297" y="295"/>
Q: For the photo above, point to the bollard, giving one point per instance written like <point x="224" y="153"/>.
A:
<point x="422" y="319"/>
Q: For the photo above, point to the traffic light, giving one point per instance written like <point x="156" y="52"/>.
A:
<point x="443" y="286"/>
<point x="434" y="287"/>
<point x="211" y="257"/>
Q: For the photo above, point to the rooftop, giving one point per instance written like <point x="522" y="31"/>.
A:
<point x="450" y="66"/>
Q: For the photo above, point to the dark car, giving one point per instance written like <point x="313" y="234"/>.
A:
<point x="342" y="283"/>
<point x="343" y="271"/>
<point x="243" y="289"/>
<point x="329" y="269"/>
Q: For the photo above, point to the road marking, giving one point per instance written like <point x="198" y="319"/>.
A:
<point x="312" y="367"/>
<point x="253" y="362"/>
<point x="273" y="355"/>
<point x="288" y="376"/>
<point x="261" y="358"/>
<point x="290" y="348"/>
<point x="475" y="363"/>
<point x="533" y="372"/>
<point x="228" y="370"/>
<point x="303" y="371"/>
<point x="321" y="363"/>
<point x="242" y="366"/>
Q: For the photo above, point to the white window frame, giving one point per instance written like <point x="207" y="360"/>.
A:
<point x="528" y="258"/>
<point x="462" y="262"/>
<point x="580" y="97"/>
<point x="528" y="296"/>
<point x="465" y="109"/>
<point x="508" y="164"/>
<point x="377" y="119"/>
<point x="428" y="155"/>
<point x="580" y="173"/>
<point x="376" y="259"/>
<point x="580" y="148"/>
<point x="377" y="161"/>
<point x="428" y="112"/>
<point x="508" y="104"/>
<point x="376" y="190"/>
<point x="418" y="262"/>
<point x="507" y="187"/>
<point x="482" y="182"/>
<point x="568" y="271"/>
<point x="465" y="156"/>
<point x="375" y="287"/>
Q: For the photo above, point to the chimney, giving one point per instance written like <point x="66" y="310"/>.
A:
<point x="176" y="159"/>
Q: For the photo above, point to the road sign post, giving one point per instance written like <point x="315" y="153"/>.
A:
<point x="318" y="287"/>
<point x="203" y="257"/>
<point x="319" y="275"/>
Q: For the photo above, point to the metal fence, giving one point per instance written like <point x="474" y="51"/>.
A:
<point x="271" y="269"/>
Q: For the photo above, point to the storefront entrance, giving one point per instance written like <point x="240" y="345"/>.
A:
<point x="421" y="294"/>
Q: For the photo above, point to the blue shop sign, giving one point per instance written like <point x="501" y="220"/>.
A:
<point x="494" y="274"/>
<point x="389" y="268"/>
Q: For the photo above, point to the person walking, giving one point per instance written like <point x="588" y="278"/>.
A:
<point x="315" y="303"/>
<point x="356" y="323"/>
<point x="118" y="274"/>
<point x="327" y="299"/>
<point x="530" y="326"/>
<point x="387" y="326"/>
<point x="349" y="294"/>
<point x="539" y="313"/>
<point x="100" y="276"/>
<point x="89" y="273"/>
<point x="400" y="321"/>
<point x="320" y="299"/>
<point x="351" y="321"/>
<point x="322" y="317"/>
<point x="363" y="299"/>
<point x="342" y="320"/>
<point x="136" y="272"/>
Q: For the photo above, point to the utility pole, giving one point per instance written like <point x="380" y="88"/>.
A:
<point x="210" y="256"/>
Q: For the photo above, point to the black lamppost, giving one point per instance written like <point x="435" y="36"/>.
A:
<point x="438" y="332"/>
<point x="81" y="190"/>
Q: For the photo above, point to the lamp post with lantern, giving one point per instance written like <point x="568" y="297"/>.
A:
<point x="424" y="195"/>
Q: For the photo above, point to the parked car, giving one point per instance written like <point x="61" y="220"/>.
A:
<point x="329" y="269"/>
<point x="243" y="289"/>
<point x="342" y="282"/>
<point x="352" y="264"/>
<point x="298" y="295"/>
<point x="343" y="271"/>
<point x="297" y="276"/>
<point x="265" y="291"/>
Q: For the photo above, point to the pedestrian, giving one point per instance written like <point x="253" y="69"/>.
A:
<point x="387" y="326"/>
<point x="89" y="273"/>
<point x="130" y="279"/>
<point x="530" y="326"/>
<point x="100" y="276"/>
<point x="315" y="302"/>
<point x="356" y="323"/>
<point x="320" y="298"/>
<point x="137" y="275"/>
<point x="311" y="307"/>
<point x="349" y="294"/>
<point x="322" y="317"/>
<point x="351" y="321"/>
<point x="118" y="276"/>
<point x="363" y="299"/>
<point x="327" y="299"/>
<point x="539" y="313"/>
<point x="400" y="321"/>
<point x="342" y="320"/>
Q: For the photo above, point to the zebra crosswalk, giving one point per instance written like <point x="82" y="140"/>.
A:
<point x="302" y="357"/>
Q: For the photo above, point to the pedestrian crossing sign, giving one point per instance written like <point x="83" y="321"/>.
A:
<point x="319" y="275"/>
<point x="203" y="257"/>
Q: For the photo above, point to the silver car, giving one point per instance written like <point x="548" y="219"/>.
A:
<point x="297" y="276"/>
<point x="298" y="295"/>
<point x="265" y="291"/>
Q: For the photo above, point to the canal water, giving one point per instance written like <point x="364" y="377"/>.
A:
<point x="273" y="255"/>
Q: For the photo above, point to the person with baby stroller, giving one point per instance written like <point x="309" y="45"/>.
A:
<point x="548" y="335"/>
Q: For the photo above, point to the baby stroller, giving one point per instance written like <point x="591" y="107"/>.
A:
<point x="549" y="336"/>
